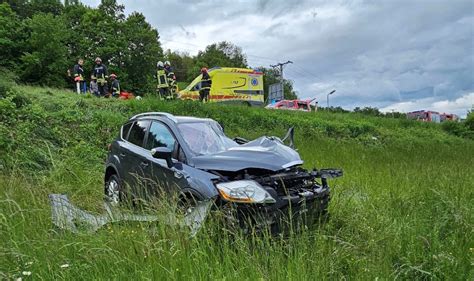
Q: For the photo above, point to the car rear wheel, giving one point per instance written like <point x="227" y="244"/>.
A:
<point x="113" y="190"/>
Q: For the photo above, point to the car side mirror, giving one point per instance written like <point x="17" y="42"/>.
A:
<point x="163" y="153"/>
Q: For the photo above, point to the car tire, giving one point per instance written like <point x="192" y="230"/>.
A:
<point x="113" y="190"/>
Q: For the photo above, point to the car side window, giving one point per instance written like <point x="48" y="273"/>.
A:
<point x="125" y="130"/>
<point x="138" y="131"/>
<point x="160" y="136"/>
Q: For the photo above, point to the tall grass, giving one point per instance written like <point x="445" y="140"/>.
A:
<point x="403" y="209"/>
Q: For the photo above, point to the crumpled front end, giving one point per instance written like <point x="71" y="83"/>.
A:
<point x="301" y="198"/>
<point x="267" y="153"/>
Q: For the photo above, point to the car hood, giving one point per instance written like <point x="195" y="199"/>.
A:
<point x="263" y="153"/>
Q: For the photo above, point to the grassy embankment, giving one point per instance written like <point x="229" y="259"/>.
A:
<point x="402" y="210"/>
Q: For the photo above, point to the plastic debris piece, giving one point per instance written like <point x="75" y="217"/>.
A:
<point x="69" y="217"/>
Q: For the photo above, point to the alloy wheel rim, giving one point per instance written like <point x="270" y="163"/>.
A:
<point x="113" y="192"/>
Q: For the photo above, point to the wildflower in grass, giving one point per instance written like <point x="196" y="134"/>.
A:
<point x="26" y="273"/>
<point x="66" y="265"/>
<point x="28" y="263"/>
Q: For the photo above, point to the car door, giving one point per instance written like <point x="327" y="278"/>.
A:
<point x="135" y="166"/>
<point x="283" y="105"/>
<point x="164" y="180"/>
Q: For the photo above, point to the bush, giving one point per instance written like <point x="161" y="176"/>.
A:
<point x="20" y="100"/>
<point x="6" y="87"/>
<point x="469" y="123"/>
<point x="454" y="128"/>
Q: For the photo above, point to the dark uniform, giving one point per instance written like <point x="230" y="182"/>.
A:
<point x="78" y="72"/>
<point x="115" y="87"/>
<point x="206" y="83"/>
<point x="172" y="87"/>
<point x="99" y="73"/>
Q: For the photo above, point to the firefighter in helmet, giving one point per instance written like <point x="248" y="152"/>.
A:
<point x="162" y="85"/>
<point x="206" y="83"/>
<point x="172" y="86"/>
<point x="99" y="73"/>
<point x="114" y="86"/>
<point x="78" y="70"/>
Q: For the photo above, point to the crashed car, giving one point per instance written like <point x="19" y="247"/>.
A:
<point x="256" y="182"/>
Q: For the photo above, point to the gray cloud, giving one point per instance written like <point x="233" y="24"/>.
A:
<point x="374" y="53"/>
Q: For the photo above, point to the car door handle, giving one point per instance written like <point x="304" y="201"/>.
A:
<point x="144" y="164"/>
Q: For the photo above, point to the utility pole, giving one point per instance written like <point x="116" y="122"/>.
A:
<point x="280" y="66"/>
<point x="330" y="93"/>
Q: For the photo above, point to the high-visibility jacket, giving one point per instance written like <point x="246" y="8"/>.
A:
<point x="206" y="81"/>
<point x="99" y="72"/>
<point x="162" y="79"/>
<point x="170" y="75"/>
<point x="78" y="73"/>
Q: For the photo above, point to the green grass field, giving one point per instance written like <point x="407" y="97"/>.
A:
<point x="403" y="210"/>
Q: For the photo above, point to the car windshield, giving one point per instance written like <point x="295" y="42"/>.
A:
<point x="205" y="138"/>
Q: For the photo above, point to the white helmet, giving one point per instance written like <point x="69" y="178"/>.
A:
<point x="167" y="62"/>
<point x="159" y="64"/>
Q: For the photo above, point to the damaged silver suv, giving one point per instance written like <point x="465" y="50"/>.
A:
<point x="261" y="181"/>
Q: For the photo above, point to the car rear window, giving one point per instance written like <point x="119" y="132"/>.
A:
<point x="138" y="131"/>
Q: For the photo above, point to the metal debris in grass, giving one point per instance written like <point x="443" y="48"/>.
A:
<point x="69" y="217"/>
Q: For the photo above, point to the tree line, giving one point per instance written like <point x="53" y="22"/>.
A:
<point x="41" y="39"/>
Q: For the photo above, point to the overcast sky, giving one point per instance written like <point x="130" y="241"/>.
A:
<point x="396" y="54"/>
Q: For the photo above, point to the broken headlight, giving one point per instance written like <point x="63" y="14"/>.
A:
<point x="244" y="191"/>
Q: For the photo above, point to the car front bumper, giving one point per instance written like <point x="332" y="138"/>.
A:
<point x="289" y="211"/>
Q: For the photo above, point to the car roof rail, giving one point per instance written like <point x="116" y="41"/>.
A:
<point x="165" y="114"/>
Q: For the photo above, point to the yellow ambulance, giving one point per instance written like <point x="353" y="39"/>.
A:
<point x="230" y="85"/>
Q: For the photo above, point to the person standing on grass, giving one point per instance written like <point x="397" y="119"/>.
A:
<point x="114" y="86"/>
<point x="99" y="73"/>
<point x="94" y="88"/>
<point x="162" y="85"/>
<point x="78" y="71"/>
<point x="172" y="87"/>
<point x="206" y="83"/>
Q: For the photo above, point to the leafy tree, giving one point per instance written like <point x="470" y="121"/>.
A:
<point x="44" y="62"/>
<point x="11" y="37"/>
<point x="224" y="54"/>
<point x="99" y="34"/>
<point x="373" y="111"/>
<point x="141" y="53"/>
<point x="68" y="3"/>
<point x="77" y="40"/>
<point x="129" y="46"/>
<point x="112" y="9"/>
<point x="337" y="109"/>
<point x="272" y="76"/>
<point x="54" y="7"/>
<point x="181" y="63"/>
<point x="20" y="7"/>
<point x="395" y="114"/>
<point x="469" y="123"/>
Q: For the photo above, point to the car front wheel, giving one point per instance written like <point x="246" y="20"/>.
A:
<point x="112" y="190"/>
